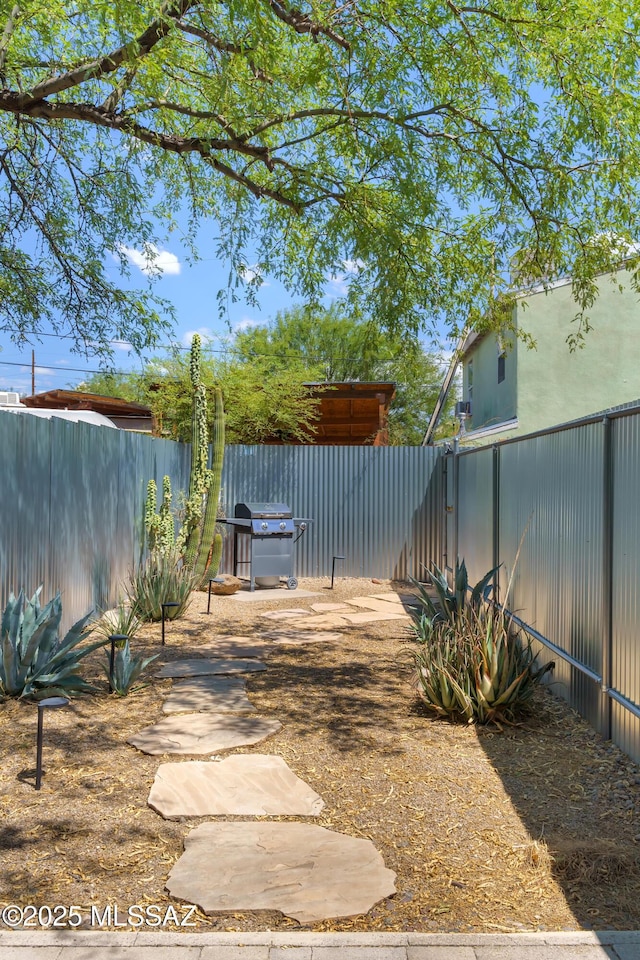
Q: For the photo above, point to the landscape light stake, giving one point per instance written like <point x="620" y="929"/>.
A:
<point x="170" y="603"/>
<point x="52" y="702"/>
<point x="212" y="580"/>
<point x="114" y="637"/>
<point x="333" y="568"/>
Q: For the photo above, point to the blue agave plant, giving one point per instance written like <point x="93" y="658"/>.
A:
<point x="34" y="660"/>
<point x="126" y="669"/>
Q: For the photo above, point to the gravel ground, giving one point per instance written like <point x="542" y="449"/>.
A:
<point x="534" y="827"/>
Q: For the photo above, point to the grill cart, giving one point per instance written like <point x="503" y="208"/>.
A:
<point x="263" y="538"/>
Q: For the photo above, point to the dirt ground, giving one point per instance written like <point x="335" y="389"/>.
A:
<point x="536" y="827"/>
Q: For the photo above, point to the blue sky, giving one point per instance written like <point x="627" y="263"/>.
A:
<point x="190" y="287"/>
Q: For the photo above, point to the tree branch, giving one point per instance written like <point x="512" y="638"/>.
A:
<point x="7" y="33"/>
<point x="224" y="46"/>
<point x="94" y="69"/>
<point x="302" y="23"/>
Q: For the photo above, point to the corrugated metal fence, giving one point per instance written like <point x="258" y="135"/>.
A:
<point x="379" y="507"/>
<point x="74" y="494"/>
<point x="72" y="516"/>
<point x="72" y="507"/>
<point x="574" y="490"/>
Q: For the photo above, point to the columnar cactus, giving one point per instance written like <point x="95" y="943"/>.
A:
<point x="200" y="476"/>
<point x="197" y="540"/>
<point x="159" y="526"/>
<point x="210" y="548"/>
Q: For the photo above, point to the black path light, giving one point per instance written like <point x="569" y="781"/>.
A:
<point x="333" y="567"/>
<point x="212" y="580"/>
<point x="114" y="638"/>
<point x="50" y="702"/>
<point x="165" y="606"/>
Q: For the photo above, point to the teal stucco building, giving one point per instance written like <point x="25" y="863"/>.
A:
<point x="512" y="389"/>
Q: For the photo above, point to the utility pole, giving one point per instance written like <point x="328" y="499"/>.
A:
<point x="33" y="372"/>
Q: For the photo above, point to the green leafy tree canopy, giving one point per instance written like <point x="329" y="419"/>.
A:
<point x="425" y="143"/>
<point x="261" y="403"/>
<point x="331" y="346"/>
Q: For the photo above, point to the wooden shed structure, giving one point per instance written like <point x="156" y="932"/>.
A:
<point x="123" y="413"/>
<point x="352" y="413"/>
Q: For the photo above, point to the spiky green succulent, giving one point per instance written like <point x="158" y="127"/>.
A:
<point x="34" y="660"/>
<point x="126" y="669"/>
<point x="450" y="601"/>
<point x="162" y="578"/>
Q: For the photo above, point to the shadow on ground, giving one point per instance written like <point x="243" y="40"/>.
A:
<point x="578" y="797"/>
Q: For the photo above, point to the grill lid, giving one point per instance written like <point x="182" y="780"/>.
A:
<point x="266" y="511"/>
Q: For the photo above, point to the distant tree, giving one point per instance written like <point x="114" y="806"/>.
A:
<point x="127" y="386"/>
<point x="329" y="345"/>
<point x="261" y="403"/>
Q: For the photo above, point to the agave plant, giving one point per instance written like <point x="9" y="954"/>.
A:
<point x="451" y="603"/>
<point x="476" y="668"/>
<point x="34" y="661"/>
<point x="162" y="578"/>
<point x="126" y="669"/>
<point x="120" y="620"/>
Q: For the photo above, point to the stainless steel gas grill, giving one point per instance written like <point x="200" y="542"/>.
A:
<point x="263" y="538"/>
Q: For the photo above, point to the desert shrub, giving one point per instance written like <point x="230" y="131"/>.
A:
<point x="451" y="601"/>
<point x="126" y="669"/>
<point x="476" y="668"/>
<point x="122" y="620"/>
<point x="162" y="578"/>
<point x="34" y="660"/>
<point x="472" y="662"/>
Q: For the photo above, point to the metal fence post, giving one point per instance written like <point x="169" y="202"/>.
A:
<point x="456" y="493"/>
<point x="495" y="525"/>
<point x="607" y="578"/>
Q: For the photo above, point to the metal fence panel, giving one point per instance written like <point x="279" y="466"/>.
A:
<point x="625" y="674"/>
<point x="75" y="493"/>
<point x="379" y="507"/>
<point x="74" y="501"/>
<point x="551" y="486"/>
<point x="25" y="454"/>
<point x="549" y="511"/>
<point x="475" y="512"/>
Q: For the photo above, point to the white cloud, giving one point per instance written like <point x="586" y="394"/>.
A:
<point x="253" y="276"/>
<point x="339" y="282"/>
<point x="205" y="335"/>
<point x="245" y="324"/>
<point x="353" y="266"/>
<point x="121" y="345"/>
<point x="151" y="260"/>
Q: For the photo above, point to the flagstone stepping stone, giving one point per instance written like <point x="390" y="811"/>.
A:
<point x="331" y="620"/>
<point x="307" y="872"/>
<point x="218" y="694"/>
<point x="326" y="607"/>
<point x="322" y="623"/>
<point x="373" y="617"/>
<point x="298" y="638"/>
<point x="293" y="614"/>
<point x="393" y="597"/>
<point x="383" y="606"/>
<point x="202" y="733"/>
<point x="234" y="647"/>
<point x="254" y="785"/>
<point x="204" y="666"/>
